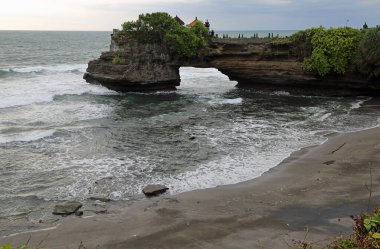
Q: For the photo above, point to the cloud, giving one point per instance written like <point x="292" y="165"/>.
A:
<point x="223" y="14"/>
<point x="275" y="2"/>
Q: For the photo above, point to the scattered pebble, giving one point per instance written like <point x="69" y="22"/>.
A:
<point x="329" y="162"/>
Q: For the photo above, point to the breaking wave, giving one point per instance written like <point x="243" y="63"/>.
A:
<point x="51" y="69"/>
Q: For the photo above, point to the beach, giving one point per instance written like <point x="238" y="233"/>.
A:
<point x="309" y="197"/>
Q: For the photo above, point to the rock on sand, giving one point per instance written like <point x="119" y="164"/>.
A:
<point x="67" y="208"/>
<point x="154" y="190"/>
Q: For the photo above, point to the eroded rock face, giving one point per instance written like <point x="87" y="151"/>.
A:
<point x="274" y="68"/>
<point x="141" y="67"/>
<point x="250" y="62"/>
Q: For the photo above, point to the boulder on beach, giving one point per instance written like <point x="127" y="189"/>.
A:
<point x="67" y="208"/>
<point x="154" y="189"/>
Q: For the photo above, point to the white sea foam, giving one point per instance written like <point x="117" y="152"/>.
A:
<point x="236" y="101"/>
<point x="51" y="69"/>
<point x="324" y="116"/>
<point x="25" y="136"/>
<point x="25" y="91"/>
<point x="357" y="104"/>
<point x="281" y="93"/>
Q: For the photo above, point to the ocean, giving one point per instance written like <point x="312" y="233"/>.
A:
<point x="64" y="139"/>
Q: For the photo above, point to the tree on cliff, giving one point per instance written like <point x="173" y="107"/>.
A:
<point x="368" y="56"/>
<point x="161" y="28"/>
<point x="335" y="50"/>
<point x="331" y="49"/>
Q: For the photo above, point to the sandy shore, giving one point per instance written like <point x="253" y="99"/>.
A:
<point x="311" y="194"/>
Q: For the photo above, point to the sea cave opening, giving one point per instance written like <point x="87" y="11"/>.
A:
<point x="197" y="79"/>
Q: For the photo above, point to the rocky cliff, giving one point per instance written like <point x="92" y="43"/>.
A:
<point x="251" y="62"/>
<point x="130" y="66"/>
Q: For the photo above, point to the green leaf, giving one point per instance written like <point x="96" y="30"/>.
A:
<point x="367" y="226"/>
<point x="376" y="235"/>
<point x="7" y="246"/>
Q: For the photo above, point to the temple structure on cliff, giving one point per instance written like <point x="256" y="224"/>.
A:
<point x="190" y="25"/>
<point x="178" y="20"/>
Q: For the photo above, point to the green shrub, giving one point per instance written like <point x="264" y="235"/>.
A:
<point x="302" y="41"/>
<point x="366" y="233"/>
<point x="9" y="246"/>
<point x="344" y="244"/>
<point x="161" y="28"/>
<point x="367" y="59"/>
<point x="327" y="51"/>
<point x="6" y="246"/>
<point x="332" y="50"/>
<point x="118" y="59"/>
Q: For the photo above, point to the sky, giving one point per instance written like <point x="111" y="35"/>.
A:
<point x="222" y="14"/>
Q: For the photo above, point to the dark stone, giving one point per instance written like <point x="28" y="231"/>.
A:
<point x="67" y="208"/>
<point x="78" y="213"/>
<point x="102" y="199"/>
<point x="329" y="162"/>
<point x="154" y="190"/>
<point x="192" y="138"/>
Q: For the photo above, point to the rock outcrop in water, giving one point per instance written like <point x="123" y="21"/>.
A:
<point x="130" y="66"/>
<point x="142" y="67"/>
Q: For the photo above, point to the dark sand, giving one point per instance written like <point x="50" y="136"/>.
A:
<point x="311" y="194"/>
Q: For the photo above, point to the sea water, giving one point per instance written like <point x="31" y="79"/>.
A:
<point x="64" y="139"/>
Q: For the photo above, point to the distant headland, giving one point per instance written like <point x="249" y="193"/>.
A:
<point x="146" y="54"/>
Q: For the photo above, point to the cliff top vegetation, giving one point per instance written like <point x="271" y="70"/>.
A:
<point x="160" y="27"/>
<point x="332" y="51"/>
<point x="335" y="50"/>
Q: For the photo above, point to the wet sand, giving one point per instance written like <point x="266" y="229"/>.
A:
<point x="310" y="195"/>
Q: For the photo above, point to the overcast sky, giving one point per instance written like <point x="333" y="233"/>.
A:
<point x="222" y="14"/>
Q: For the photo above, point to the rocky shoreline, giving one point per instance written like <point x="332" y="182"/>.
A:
<point x="309" y="195"/>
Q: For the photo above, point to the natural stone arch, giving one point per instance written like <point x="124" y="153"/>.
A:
<point x="146" y="67"/>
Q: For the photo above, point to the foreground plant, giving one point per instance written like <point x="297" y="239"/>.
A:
<point x="9" y="246"/>
<point x="367" y="230"/>
<point x="366" y="234"/>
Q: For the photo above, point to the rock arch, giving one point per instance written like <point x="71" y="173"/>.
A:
<point x="250" y="62"/>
